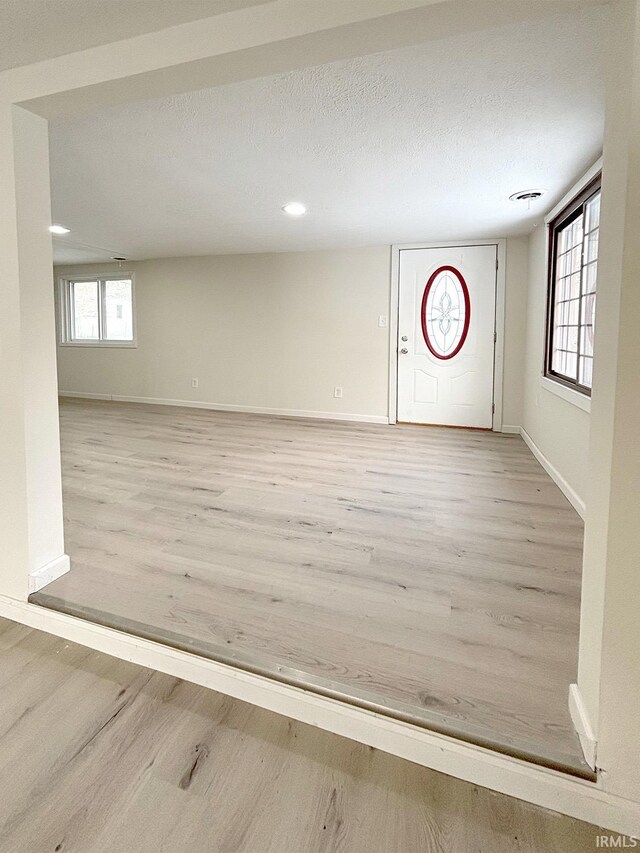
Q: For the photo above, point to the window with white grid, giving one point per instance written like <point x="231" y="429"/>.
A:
<point x="572" y="291"/>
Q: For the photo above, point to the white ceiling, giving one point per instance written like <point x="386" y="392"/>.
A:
<point x="421" y="143"/>
<point x="33" y="30"/>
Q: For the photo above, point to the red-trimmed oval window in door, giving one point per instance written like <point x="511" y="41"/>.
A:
<point x="446" y="312"/>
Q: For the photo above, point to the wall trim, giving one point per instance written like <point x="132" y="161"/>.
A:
<point x="571" y="495"/>
<point x="582" y="725"/>
<point x="48" y="573"/>
<point x="85" y="395"/>
<point x="231" y="407"/>
<point x="511" y="429"/>
<point x="581" y="401"/>
<point x="544" y="787"/>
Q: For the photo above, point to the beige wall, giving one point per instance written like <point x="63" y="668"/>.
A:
<point x="31" y="495"/>
<point x="609" y="675"/>
<point x="276" y="331"/>
<point x="558" y="428"/>
<point x="515" y="327"/>
<point x="264" y="330"/>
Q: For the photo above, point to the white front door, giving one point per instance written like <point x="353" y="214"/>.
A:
<point x="446" y="328"/>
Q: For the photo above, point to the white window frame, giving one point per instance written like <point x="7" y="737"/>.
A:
<point x="64" y="310"/>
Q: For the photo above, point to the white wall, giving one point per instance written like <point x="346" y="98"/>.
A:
<point x="275" y="331"/>
<point x="608" y="673"/>
<point x="558" y="428"/>
<point x="515" y="330"/>
<point x="31" y="497"/>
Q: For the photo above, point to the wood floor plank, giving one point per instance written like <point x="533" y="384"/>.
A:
<point x="114" y="758"/>
<point x="440" y="568"/>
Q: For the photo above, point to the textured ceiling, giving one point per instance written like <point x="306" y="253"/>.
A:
<point x="32" y="30"/>
<point x="422" y="143"/>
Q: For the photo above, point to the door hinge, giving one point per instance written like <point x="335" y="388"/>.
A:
<point x="495" y="337"/>
<point x="493" y="408"/>
<point x="497" y="264"/>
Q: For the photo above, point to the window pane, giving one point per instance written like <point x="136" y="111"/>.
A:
<point x="573" y="312"/>
<point x="118" y="319"/>
<point x="562" y="241"/>
<point x="589" y="277"/>
<point x="576" y="238"/>
<point x="558" y="361"/>
<point x="574" y="290"/>
<point x="586" y="371"/>
<point x="86" y="325"/>
<point x="586" y="340"/>
<point x="576" y="258"/>
<point x="591" y="246"/>
<point x="561" y="264"/>
<point x="593" y="213"/>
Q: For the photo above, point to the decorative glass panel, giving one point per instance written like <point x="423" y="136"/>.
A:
<point x="446" y="312"/>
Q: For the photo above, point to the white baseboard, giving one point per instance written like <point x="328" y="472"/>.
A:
<point x="510" y="429"/>
<point x="84" y="395"/>
<point x="550" y="789"/>
<point x="231" y="407"/>
<point x="48" y="573"/>
<point x="582" y="725"/>
<point x="571" y="495"/>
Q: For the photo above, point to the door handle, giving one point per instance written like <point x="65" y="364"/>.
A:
<point x="404" y="350"/>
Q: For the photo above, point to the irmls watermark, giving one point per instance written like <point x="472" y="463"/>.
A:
<point x="617" y="842"/>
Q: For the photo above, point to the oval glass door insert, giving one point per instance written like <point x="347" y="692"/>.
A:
<point x="446" y="312"/>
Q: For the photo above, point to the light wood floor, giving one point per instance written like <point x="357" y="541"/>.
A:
<point x="101" y="756"/>
<point x="433" y="571"/>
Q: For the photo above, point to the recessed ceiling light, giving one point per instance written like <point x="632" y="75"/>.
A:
<point x="527" y="195"/>
<point x="294" y="208"/>
<point x="59" y="229"/>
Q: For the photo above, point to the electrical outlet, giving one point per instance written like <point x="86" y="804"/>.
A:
<point x="383" y="321"/>
<point x="195" y="383"/>
<point x="337" y="392"/>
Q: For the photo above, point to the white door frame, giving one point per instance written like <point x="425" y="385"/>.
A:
<point x="498" y="361"/>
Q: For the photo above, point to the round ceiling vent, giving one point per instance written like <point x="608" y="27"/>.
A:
<point x="527" y="195"/>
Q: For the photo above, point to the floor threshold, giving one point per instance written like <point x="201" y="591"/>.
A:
<point x="260" y="665"/>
